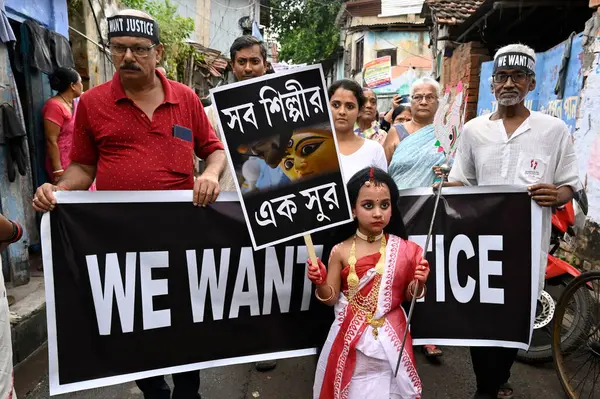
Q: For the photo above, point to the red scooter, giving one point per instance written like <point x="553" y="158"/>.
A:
<point x="558" y="274"/>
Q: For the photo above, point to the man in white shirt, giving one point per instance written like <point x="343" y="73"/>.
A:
<point x="521" y="147"/>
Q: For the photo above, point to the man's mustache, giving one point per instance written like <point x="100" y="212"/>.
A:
<point x="130" y="67"/>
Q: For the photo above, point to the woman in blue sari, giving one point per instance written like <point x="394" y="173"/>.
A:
<point x="411" y="152"/>
<point x="410" y="147"/>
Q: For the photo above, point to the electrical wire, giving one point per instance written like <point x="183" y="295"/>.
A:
<point x="401" y="48"/>
<point x="220" y="24"/>
<point x="100" y="39"/>
<point x="284" y="9"/>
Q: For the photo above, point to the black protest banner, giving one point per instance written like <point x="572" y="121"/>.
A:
<point x="484" y="257"/>
<point x="281" y="144"/>
<point x="144" y="288"/>
<point x="140" y="284"/>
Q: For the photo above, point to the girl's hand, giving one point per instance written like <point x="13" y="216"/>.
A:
<point x="317" y="273"/>
<point x="422" y="272"/>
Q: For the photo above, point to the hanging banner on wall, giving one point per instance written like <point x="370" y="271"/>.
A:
<point x="378" y="73"/>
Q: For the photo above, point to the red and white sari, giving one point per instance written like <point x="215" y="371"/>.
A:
<point x="356" y="365"/>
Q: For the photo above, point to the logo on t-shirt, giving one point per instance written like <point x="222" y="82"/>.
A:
<point x="532" y="170"/>
<point x="534" y="164"/>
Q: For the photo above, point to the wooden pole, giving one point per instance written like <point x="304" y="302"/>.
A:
<point x="311" y="249"/>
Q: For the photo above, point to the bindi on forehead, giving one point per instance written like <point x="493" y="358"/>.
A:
<point x="425" y="89"/>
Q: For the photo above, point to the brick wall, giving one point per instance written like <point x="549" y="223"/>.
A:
<point x="464" y="66"/>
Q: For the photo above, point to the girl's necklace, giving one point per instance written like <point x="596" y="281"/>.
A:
<point x="368" y="238"/>
<point x="352" y="278"/>
<point x="367" y="305"/>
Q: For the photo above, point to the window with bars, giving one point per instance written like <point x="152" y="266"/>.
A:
<point x="359" y="55"/>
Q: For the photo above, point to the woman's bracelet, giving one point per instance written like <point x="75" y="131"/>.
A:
<point x="57" y="172"/>
<point x="325" y="299"/>
<point x="17" y="233"/>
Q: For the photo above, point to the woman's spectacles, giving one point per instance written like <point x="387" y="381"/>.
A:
<point x="518" y="77"/>
<point x="138" y="51"/>
<point x="428" y="98"/>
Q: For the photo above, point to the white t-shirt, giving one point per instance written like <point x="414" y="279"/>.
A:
<point x="540" y="151"/>
<point x="369" y="154"/>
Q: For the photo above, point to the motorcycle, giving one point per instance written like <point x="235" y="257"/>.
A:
<point x="565" y="220"/>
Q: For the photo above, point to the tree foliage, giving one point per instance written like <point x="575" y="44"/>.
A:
<point x="305" y="29"/>
<point x="174" y="29"/>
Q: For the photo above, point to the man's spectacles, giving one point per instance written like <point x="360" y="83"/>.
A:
<point x="518" y="77"/>
<point x="138" y="51"/>
<point x="428" y="98"/>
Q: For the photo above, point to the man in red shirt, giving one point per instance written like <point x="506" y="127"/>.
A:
<point x="140" y="131"/>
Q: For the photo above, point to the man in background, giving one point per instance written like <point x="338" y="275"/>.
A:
<point x="249" y="60"/>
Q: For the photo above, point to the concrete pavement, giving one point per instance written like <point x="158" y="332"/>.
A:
<point x="450" y="378"/>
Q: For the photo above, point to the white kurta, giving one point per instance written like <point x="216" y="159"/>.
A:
<point x="540" y="151"/>
<point x="6" y="372"/>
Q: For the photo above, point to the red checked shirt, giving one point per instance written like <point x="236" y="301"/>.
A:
<point x="132" y="152"/>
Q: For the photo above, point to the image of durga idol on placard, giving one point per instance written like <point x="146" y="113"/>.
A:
<point x="281" y="145"/>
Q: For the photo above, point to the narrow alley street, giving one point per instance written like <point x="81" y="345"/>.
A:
<point x="451" y="378"/>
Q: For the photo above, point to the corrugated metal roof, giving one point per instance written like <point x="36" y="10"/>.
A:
<point x="399" y="20"/>
<point x="453" y="12"/>
<point x="391" y="8"/>
<point x="214" y="61"/>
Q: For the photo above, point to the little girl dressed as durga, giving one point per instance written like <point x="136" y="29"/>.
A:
<point x="368" y="277"/>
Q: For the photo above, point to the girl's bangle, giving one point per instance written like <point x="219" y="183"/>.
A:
<point x="328" y="298"/>
<point x="412" y="289"/>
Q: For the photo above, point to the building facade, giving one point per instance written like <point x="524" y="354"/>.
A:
<point x="466" y="34"/>
<point x="376" y="28"/>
